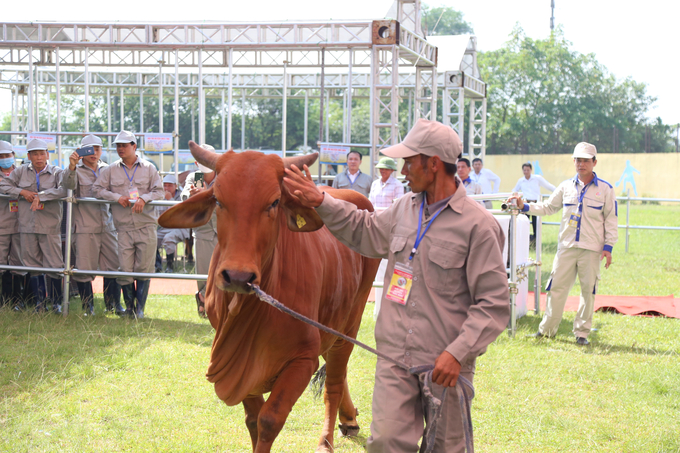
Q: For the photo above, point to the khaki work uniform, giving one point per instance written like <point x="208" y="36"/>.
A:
<point x="94" y="235"/>
<point x="136" y="232"/>
<point x="206" y="236"/>
<point x="579" y="248"/>
<point x="169" y="237"/>
<point x="361" y="184"/>
<point x="10" y="241"/>
<point x="40" y="230"/>
<point x="459" y="302"/>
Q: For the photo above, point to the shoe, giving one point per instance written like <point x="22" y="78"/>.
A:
<point x="170" y="263"/>
<point x="129" y="298"/>
<point x="38" y="288"/>
<point x="141" y="294"/>
<point x="537" y="335"/>
<point x="582" y="341"/>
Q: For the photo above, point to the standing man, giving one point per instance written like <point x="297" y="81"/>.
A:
<point x="447" y="290"/>
<point x="131" y="182"/>
<point x="588" y="232"/>
<point x="38" y="187"/>
<point x="471" y="187"/>
<point x="206" y="235"/>
<point x="386" y="189"/>
<point x="530" y="186"/>
<point x="169" y="237"/>
<point x="94" y="235"/>
<point x="485" y="178"/>
<point x="353" y="178"/>
<point x="10" y="241"/>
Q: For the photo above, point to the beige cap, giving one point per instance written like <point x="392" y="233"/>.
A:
<point x="36" y="145"/>
<point x="91" y="140"/>
<point x="431" y="138"/>
<point x="125" y="137"/>
<point x="585" y="151"/>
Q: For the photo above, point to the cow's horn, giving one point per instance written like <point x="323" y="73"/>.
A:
<point x="203" y="156"/>
<point x="299" y="161"/>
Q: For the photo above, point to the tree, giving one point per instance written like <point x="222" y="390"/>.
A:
<point x="545" y="98"/>
<point x="443" y="20"/>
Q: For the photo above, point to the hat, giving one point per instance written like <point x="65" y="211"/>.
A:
<point x="585" y="151"/>
<point x="202" y="167"/>
<point x="430" y="138"/>
<point x="169" y="179"/>
<point x="36" y="145"/>
<point x="125" y="137"/>
<point x="387" y="163"/>
<point x="5" y="147"/>
<point x="91" y="140"/>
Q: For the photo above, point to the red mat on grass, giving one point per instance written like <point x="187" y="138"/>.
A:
<point x="627" y="305"/>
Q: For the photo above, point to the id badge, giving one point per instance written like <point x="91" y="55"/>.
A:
<point x="134" y="193"/>
<point x="400" y="285"/>
<point x="40" y="207"/>
<point x="13" y="205"/>
<point x="573" y="220"/>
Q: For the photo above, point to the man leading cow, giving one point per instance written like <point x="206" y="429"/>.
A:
<point x="447" y="249"/>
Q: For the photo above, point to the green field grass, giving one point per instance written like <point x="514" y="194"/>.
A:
<point x="107" y="384"/>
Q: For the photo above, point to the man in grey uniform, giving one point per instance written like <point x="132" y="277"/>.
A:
<point x="10" y="241"/>
<point x="353" y="178"/>
<point x="206" y="235"/>
<point x="588" y="232"/>
<point x="38" y="186"/>
<point x="94" y="235"/>
<point x="169" y="237"/>
<point x="132" y="178"/>
<point x="446" y="296"/>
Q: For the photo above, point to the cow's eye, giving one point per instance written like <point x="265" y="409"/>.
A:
<point x="276" y="203"/>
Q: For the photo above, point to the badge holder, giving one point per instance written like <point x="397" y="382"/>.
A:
<point x="13" y="205"/>
<point x="573" y="220"/>
<point x="400" y="285"/>
<point x="134" y="193"/>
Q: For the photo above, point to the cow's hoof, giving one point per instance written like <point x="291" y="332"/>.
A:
<point x="349" y="431"/>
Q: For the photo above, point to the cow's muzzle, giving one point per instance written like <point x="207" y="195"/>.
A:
<point x="238" y="281"/>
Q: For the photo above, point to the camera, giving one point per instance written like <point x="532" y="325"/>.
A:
<point x="85" y="151"/>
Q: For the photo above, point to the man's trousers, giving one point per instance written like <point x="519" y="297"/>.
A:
<point x="95" y="251"/>
<point x="137" y="252"/>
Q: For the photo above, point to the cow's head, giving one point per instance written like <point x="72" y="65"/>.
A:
<point x="252" y="204"/>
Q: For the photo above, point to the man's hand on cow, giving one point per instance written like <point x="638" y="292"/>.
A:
<point x="302" y="187"/>
<point x="124" y="201"/>
<point x="139" y="206"/>
<point x="608" y="255"/>
<point x="446" y="370"/>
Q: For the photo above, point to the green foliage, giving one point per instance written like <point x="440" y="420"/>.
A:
<point x="544" y="97"/>
<point x="443" y="20"/>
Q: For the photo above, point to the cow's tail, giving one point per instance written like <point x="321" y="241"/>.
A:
<point x="318" y="382"/>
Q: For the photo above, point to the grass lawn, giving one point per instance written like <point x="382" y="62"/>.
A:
<point x="106" y="384"/>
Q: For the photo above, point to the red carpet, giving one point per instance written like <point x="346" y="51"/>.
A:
<point x="627" y="305"/>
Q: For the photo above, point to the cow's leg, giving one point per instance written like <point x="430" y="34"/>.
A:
<point x="289" y="385"/>
<point x="252" y="407"/>
<point x="348" y="414"/>
<point x="336" y="384"/>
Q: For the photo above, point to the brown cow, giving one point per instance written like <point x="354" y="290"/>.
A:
<point x="258" y="349"/>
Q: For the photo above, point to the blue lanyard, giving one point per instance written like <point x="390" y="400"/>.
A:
<point x="419" y="237"/>
<point x="583" y="193"/>
<point x="37" y="178"/>
<point x="351" y="183"/>
<point x="126" y="173"/>
<point x="99" y="170"/>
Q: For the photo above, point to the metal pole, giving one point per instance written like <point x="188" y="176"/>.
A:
<point x="201" y="99"/>
<point x="321" y="93"/>
<point x="539" y="252"/>
<point x="141" y="106"/>
<point x="230" y="99"/>
<point x="306" y="125"/>
<point x="49" y="112"/>
<point x="328" y="115"/>
<point x="344" y="116"/>
<point x="243" y="119"/>
<point x="29" y="116"/>
<point x="284" y="112"/>
<point x="67" y="254"/>
<point x="108" y="126"/>
<point x="160" y="97"/>
<point x="349" y="98"/>
<point x="223" y="127"/>
<point x="87" y="92"/>
<point x="58" y="101"/>
<point x="177" y="114"/>
<point x="122" y="109"/>
<point x="627" y="217"/>
<point x="512" y="253"/>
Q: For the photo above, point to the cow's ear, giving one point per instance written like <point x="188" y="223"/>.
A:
<point x="191" y="213"/>
<point x="299" y="218"/>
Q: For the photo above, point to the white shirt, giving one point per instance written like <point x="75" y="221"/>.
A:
<point x="383" y="194"/>
<point x="531" y="188"/>
<point x="352" y="177"/>
<point x="485" y="178"/>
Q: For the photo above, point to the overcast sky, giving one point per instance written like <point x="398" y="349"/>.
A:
<point x="636" y="39"/>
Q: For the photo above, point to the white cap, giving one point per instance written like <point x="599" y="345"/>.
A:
<point x="585" y="151"/>
<point x="125" y="137"/>
<point x="169" y="179"/>
<point x="5" y="147"/>
<point x="35" y="145"/>
<point x="91" y="140"/>
<point x="202" y="167"/>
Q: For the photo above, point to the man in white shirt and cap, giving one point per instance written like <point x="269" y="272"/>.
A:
<point x="206" y="235"/>
<point x="387" y="188"/>
<point x="38" y="187"/>
<point x="588" y="232"/>
<point x="94" y="235"/>
<point x="10" y="240"/>
<point x="131" y="182"/>
<point x="169" y="237"/>
<point x="530" y="187"/>
<point x="488" y="180"/>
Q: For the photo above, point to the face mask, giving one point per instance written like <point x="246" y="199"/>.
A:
<point x="7" y="162"/>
